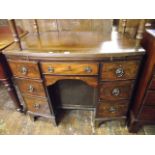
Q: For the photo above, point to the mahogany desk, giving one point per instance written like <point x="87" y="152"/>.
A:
<point x="58" y="72"/>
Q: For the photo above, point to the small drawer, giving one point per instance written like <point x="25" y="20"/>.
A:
<point x="25" y="69"/>
<point x="37" y="105"/>
<point x="147" y="114"/>
<point x="110" y="109"/>
<point x="150" y="98"/>
<point x="116" y="90"/>
<point x="31" y="87"/>
<point x="121" y="70"/>
<point x="152" y="84"/>
<point x="70" y="68"/>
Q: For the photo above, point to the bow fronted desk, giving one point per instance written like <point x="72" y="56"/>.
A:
<point x="75" y="71"/>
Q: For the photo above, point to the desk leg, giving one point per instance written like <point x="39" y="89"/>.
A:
<point x="12" y="92"/>
<point x="133" y="124"/>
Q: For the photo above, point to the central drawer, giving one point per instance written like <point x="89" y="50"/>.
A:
<point x="69" y="68"/>
<point x="116" y="90"/>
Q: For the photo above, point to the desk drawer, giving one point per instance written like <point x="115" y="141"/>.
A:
<point x="110" y="109"/>
<point x="150" y="98"/>
<point x="37" y="105"/>
<point x="31" y="87"/>
<point x="116" y="90"/>
<point x="121" y="70"/>
<point x="24" y="69"/>
<point x="70" y="68"/>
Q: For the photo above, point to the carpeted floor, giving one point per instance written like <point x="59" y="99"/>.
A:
<point x="74" y="122"/>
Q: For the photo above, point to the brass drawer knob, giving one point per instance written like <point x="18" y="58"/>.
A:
<point x="119" y="72"/>
<point x="50" y="69"/>
<point x="112" y="110"/>
<point x="24" y="70"/>
<point x="36" y="106"/>
<point x="88" y="69"/>
<point x="31" y="88"/>
<point x="115" y="92"/>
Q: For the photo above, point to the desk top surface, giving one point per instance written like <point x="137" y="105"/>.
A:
<point x="69" y="44"/>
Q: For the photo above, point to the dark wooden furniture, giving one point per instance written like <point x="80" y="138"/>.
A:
<point x="74" y="65"/>
<point x="143" y="109"/>
<point x="6" y="39"/>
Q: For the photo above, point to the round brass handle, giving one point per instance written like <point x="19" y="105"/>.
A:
<point x="112" y="110"/>
<point x="115" y="91"/>
<point x="31" y="88"/>
<point x="119" y="72"/>
<point x="50" y="69"/>
<point x="24" y="70"/>
<point x="36" y="106"/>
<point x="88" y="69"/>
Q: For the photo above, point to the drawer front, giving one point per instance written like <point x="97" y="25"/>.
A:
<point x="24" y="69"/>
<point x="152" y="84"/>
<point x="119" y="70"/>
<point x="148" y="114"/>
<point x="36" y="105"/>
<point x="116" y="90"/>
<point x="70" y="68"/>
<point x="108" y="109"/>
<point x="31" y="87"/>
<point x="150" y="98"/>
